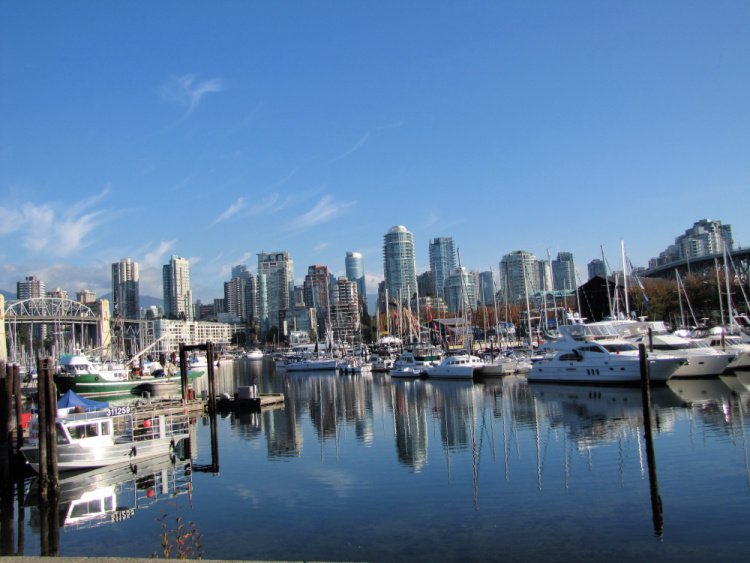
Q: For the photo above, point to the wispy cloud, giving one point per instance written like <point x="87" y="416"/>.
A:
<point x="321" y="246"/>
<point x="272" y="203"/>
<point x="187" y="91"/>
<point x="233" y="209"/>
<point x="351" y="150"/>
<point x="56" y="229"/>
<point x="325" y="210"/>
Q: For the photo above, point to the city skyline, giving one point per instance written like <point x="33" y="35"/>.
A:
<point x="314" y="129"/>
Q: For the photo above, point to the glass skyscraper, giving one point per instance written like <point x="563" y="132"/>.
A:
<point x="442" y="262"/>
<point x="125" y="292"/>
<point x="399" y="264"/>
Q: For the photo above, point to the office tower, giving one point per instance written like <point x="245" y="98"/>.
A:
<point x="125" y="291"/>
<point x="316" y="293"/>
<point x="30" y="288"/>
<point x="519" y="275"/>
<point x="236" y="293"/>
<point x="564" y="272"/>
<point x="178" y="298"/>
<point x="596" y="268"/>
<point x="399" y="264"/>
<point x="442" y="262"/>
<point x="279" y="271"/>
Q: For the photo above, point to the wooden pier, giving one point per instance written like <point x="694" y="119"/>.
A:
<point x="250" y="403"/>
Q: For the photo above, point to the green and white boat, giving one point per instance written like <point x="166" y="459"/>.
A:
<point x="90" y="379"/>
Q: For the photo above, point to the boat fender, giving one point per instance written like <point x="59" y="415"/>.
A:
<point x="133" y="452"/>
<point x="171" y="445"/>
<point x="96" y="378"/>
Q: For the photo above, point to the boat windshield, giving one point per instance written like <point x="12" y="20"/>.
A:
<point x="621" y="347"/>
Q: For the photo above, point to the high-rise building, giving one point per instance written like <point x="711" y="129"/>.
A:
<point x="278" y="268"/>
<point x="399" y="264"/>
<point x="355" y="271"/>
<point x="345" y="311"/>
<point x="125" y="291"/>
<point x="236" y="293"/>
<point x="86" y="296"/>
<point x="486" y="289"/>
<point x="30" y="288"/>
<point x="442" y="262"/>
<point x="705" y="238"/>
<point x="460" y="291"/>
<point x="317" y="293"/>
<point x="564" y="272"/>
<point x="519" y="275"/>
<point x="597" y="268"/>
<point x="178" y="298"/>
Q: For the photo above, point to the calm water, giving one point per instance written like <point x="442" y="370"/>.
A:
<point x="368" y="468"/>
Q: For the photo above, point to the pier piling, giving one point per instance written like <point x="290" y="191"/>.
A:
<point x="656" y="505"/>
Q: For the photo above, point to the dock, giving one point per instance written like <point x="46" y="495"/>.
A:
<point x="250" y="403"/>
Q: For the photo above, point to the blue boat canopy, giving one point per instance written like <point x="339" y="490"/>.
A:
<point x="72" y="399"/>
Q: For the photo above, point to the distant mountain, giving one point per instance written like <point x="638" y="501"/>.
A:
<point x="8" y="294"/>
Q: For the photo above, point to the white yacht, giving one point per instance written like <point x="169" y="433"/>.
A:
<point x="702" y="359"/>
<point x="407" y="365"/>
<point x="459" y="366"/>
<point x="597" y="354"/>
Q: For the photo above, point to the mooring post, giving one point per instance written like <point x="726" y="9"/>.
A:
<point x="42" y="430"/>
<point x="54" y="481"/>
<point x="19" y="407"/>
<point x="656" y="505"/>
<point x="183" y="371"/>
<point x="650" y="340"/>
<point x="212" y="409"/>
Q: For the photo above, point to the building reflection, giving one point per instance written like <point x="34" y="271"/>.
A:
<point x="409" y="400"/>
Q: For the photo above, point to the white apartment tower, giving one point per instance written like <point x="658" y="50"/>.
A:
<point x="278" y="270"/>
<point x="399" y="264"/>
<point x="125" y="292"/>
<point x="442" y="262"/>
<point x="178" y="298"/>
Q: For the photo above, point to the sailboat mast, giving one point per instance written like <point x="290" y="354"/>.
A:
<point x="625" y="279"/>
<point x="606" y="281"/>
<point x="730" y="315"/>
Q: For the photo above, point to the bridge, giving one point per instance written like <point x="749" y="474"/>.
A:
<point x="740" y="259"/>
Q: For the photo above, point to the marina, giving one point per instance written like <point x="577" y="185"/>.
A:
<point x="365" y="467"/>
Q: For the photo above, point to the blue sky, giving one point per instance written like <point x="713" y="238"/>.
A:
<point x="215" y="131"/>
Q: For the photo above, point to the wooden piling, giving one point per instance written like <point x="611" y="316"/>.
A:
<point x="42" y="371"/>
<point x="19" y="406"/>
<point x="53" y="477"/>
<point x="5" y="410"/>
<point x="657" y="512"/>
<point x="212" y="409"/>
<point x="183" y="372"/>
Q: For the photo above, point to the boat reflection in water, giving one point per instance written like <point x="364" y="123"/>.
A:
<point x="113" y="494"/>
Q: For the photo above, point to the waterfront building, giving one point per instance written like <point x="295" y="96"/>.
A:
<point x="30" y="288"/>
<point x="86" y="296"/>
<point x="442" y="262"/>
<point x="519" y="275"/>
<point x="317" y="294"/>
<point x="278" y="268"/>
<point x="564" y="272"/>
<point x="706" y="237"/>
<point x="399" y="264"/>
<point x="597" y="268"/>
<point x="251" y="299"/>
<point x="176" y="332"/>
<point x="125" y="290"/>
<point x="460" y="291"/>
<point x="345" y="311"/>
<point x="178" y="298"/>
<point x="301" y="319"/>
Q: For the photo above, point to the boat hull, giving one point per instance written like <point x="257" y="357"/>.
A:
<point x="89" y="385"/>
<point x="622" y="370"/>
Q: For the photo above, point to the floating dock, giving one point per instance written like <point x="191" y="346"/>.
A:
<point x="250" y="403"/>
